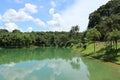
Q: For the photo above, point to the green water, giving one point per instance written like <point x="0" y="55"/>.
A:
<point x="53" y="64"/>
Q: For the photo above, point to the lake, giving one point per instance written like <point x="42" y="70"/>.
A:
<point x="53" y="64"/>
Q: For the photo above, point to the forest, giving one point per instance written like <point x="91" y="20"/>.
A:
<point x="17" y="38"/>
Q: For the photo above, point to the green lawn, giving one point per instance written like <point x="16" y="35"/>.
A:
<point x="102" y="51"/>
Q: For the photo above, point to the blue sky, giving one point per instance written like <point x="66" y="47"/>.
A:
<point x="46" y="15"/>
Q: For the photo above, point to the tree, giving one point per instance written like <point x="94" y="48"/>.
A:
<point x="113" y="36"/>
<point x="106" y="18"/>
<point x="74" y="31"/>
<point x="16" y="31"/>
<point x="94" y="35"/>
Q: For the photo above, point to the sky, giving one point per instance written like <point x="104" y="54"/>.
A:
<point x="46" y="15"/>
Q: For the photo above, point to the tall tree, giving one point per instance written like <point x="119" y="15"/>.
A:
<point x="74" y="31"/>
<point x="94" y="35"/>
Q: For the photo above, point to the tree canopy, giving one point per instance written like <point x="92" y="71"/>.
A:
<point x="27" y="39"/>
<point x="106" y="18"/>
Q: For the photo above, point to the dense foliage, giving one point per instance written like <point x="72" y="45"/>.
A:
<point x="27" y="39"/>
<point x="107" y="18"/>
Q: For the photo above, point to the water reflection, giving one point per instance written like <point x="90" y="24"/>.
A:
<point x="52" y="68"/>
<point x="48" y="69"/>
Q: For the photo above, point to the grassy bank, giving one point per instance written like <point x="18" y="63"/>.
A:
<point x="102" y="51"/>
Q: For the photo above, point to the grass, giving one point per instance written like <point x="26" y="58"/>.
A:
<point x="102" y="51"/>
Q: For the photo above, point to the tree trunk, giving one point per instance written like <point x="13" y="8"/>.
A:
<point x="116" y="44"/>
<point x="111" y="44"/>
<point x="94" y="46"/>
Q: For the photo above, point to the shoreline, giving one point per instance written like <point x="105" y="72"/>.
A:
<point x="107" y="62"/>
<point x="98" y="55"/>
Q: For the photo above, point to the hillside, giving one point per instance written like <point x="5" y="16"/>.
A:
<point x="102" y="38"/>
<point x="106" y="18"/>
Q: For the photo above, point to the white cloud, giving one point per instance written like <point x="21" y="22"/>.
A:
<point x="23" y="14"/>
<point x="51" y="11"/>
<point x="12" y="15"/>
<point x="76" y="14"/>
<point x="11" y="26"/>
<point x="39" y="22"/>
<point x="20" y="73"/>
<point x="29" y="29"/>
<point x="52" y="23"/>
<point x="56" y="21"/>
<point x="9" y="14"/>
<point x="29" y="8"/>
<point x="53" y="4"/>
<point x="57" y="16"/>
